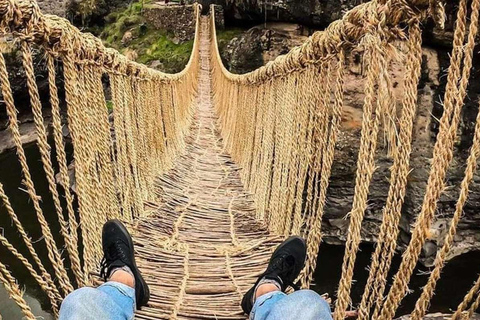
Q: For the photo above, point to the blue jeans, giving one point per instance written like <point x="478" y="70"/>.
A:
<point x="116" y="301"/>
<point x="303" y="304"/>
<point x="110" y="301"/>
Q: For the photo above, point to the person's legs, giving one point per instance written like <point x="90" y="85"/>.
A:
<point x="302" y="304"/>
<point x="124" y="290"/>
<point x="111" y="301"/>
<point x="266" y="300"/>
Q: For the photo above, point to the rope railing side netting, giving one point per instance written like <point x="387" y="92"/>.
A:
<point x="280" y="123"/>
<point x="117" y="156"/>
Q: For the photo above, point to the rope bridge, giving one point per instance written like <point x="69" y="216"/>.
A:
<point x="212" y="170"/>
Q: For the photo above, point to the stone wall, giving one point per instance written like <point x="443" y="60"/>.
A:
<point x="177" y="19"/>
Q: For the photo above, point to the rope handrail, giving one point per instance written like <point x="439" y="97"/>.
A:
<point x="24" y="19"/>
<point x="280" y="124"/>
<point x="118" y="152"/>
<point x="341" y="35"/>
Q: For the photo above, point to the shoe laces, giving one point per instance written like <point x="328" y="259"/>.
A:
<point x="114" y="252"/>
<point x="284" y="266"/>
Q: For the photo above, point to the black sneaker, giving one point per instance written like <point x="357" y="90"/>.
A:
<point x="284" y="267"/>
<point x="118" y="252"/>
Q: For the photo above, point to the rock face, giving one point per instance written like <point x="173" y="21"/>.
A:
<point x="28" y="132"/>
<point x="177" y="19"/>
<point x="315" y="13"/>
<point x="308" y="12"/>
<point x="258" y="46"/>
<point x="72" y="8"/>
<point x="318" y="14"/>
<point x="244" y="53"/>
<point x="341" y="191"/>
<point x="57" y="7"/>
<point x="87" y="11"/>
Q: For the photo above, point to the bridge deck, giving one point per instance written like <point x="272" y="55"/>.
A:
<point x="201" y="248"/>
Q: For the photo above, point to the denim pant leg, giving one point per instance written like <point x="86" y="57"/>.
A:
<point x="303" y="304"/>
<point x="110" y="301"/>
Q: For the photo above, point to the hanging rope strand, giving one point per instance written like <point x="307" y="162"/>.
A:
<point x="442" y="156"/>
<point x="387" y="238"/>
<point x="466" y="300"/>
<point x="14" y="291"/>
<point x="71" y="235"/>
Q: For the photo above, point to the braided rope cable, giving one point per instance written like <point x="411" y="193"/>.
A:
<point x="273" y="83"/>
<point x="279" y="154"/>
<point x="64" y="177"/>
<point x="428" y="290"/>
<point x="442" y="156"/>
<point x="474" y="307"/>
<point x="135" y="187"/>
<point x="91" y="215"/>
<point x="365" y="165"/>
<point x="46" y="282"/>
<point x="314" y="235"/>
<point x="105" y="147"/>
<point x="152" y="114"/>
<point x="53" y="254"/>
<point x="344" y="33"/>
<point x="97" y="170"/>
<point x="298" y="126"/>
<point x="58" y="36"/>
<point x="43" y="284"/>
<point x="319" y="118"/>
<point x="466" y="300"/>
<point x="14" y="291"/>
<point x="98" y="163"/>
<point x="72" y="97"/>
<point x="44" y="148"/>
<point x="305" y="147"/>
<point x="385" y="247"/>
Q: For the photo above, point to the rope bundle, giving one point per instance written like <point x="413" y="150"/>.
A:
<point x="281" y="122"/>
<point x="115" y="163"/>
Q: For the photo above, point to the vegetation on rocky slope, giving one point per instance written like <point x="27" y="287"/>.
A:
<point x="127" y="31"/>
<point x="226" y="35"/>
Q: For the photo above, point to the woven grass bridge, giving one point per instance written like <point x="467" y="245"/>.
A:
<point x="211" y="170"/>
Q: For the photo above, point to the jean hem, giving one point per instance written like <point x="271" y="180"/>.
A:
<point x="127" y="291"/>
<point x="261" y="300"/>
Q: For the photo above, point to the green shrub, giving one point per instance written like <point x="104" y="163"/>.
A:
<point x="224" y="36"/>
<point x="150" y="43"/>
<point x="109" y="105"/>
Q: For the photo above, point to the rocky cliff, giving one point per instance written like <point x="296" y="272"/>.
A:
<point x="259" y="45"/>
<point x="316" y="14"/>
<point x="429" y="110"/>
